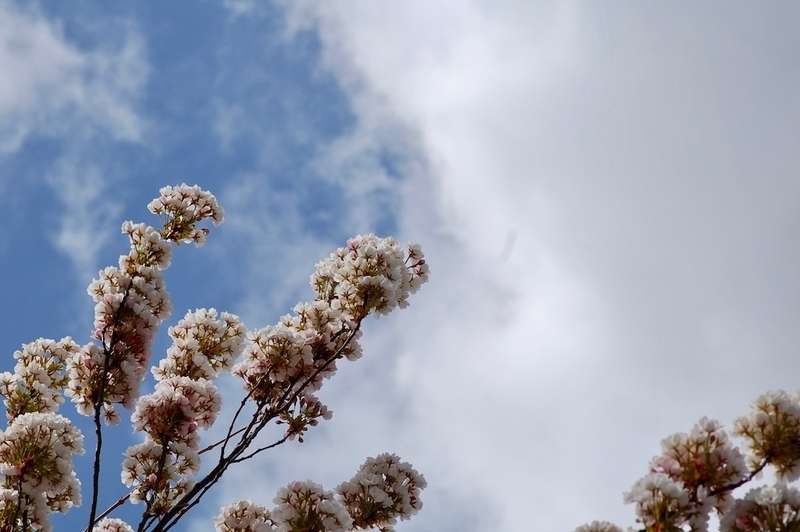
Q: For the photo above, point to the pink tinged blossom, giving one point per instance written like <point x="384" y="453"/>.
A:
<point x="702" y="461"/>
<point x="131" y="302"/>
<point x="203" y="345"/>
<point x="370" y="275"/>
<point x="278" y="351"/>
<point x="306" y="507"/>
<point x="36" y="461"/>
<point x="765" y="508"/>
<point x="324" y="330"/>
<point x="383" y="490"/>
<point x="177" y="407"/>
<point x="181" y="208"/>
<point x="39" y="377"/>
<point x="305" y="413"/>
<point x="158" y="475"/>
<point x="147" y="247"/>
<point x="243" y="516"/>
<point x="112" y="525"/>
<point x="89" y="368"/>
<point x="663" y="501"/>
<point x="772" y="433"/>
<point x="128" y="311"/>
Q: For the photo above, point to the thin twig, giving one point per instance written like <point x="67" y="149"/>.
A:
<point x="114" y="506"/>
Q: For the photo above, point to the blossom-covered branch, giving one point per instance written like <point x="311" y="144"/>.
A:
<point x="696" y="474"/>
<point x="281" y="367"/>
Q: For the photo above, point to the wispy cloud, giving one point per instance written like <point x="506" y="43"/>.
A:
<point x="645" y="183"/>
<point x="57" y="88"/>
<point x="90" y="213"/>
<point x="83" y="100"/>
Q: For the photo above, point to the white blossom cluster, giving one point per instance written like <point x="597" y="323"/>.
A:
<point x="131" y="301"/>
<point x="203" y="346"/>
<point x="181" y="207"/>
<point x="657" y="496"/>
<point x="284" y="364"/>
<point x="36" y="463"/>
<point x="383" y="490"/>
<point x="244" y="516"/>
<point x="306" y="506"/>
<point x="702" y="463"/>
<point x="112" y="525"/>
<point x="371" y="274"/>
<point x="771" y="430"/>
<point x="159" y="475"/>
<point x="184" y="400"/>
<point x="39" y="377"/>
<point x="282" y="367"/>
<point x="697" y="473"/>
<point x="766" y="508"/>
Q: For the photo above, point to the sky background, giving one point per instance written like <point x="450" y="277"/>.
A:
<point x="607" y="195"/>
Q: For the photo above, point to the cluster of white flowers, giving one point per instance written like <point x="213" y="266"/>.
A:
<point x="771" y="433"/>
<point x="36" y="462"/>
<point x="181" y="207"/>
<point x="184" y="400"/>
<point x="112" y="525"/>
<point x="177" y="407"/>
<point x="306" y="507"/>
<point x="766" y="508"/>
<point x="371" y="274"/>
<point x="131" y="301"/>
<point x="703" y="461"/>
<point x="698" y="472"/>
<point x="148" y="247"/>
<point x="203" y="346"/>
<point x="159" y="475"/>
<point x="39" y="377"/>
<point x="383" y="490"/>
<point x="660" y="500"/>
<point x="243" y="516"/>
<point x="283" y="366"/>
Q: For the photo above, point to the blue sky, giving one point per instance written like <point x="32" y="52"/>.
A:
<point x="607" y="195"/>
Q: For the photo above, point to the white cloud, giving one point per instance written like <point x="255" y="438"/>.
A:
<point x="83" y="100"/>
<point x="90" y="213"/>
<point x="642" y="167"/>
<point x="53" y="87"/>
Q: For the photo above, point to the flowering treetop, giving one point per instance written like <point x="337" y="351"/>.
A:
<point x="280" y="366"/>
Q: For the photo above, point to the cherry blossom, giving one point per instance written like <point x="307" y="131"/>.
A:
<point x="281" y="367"/>
<point x="37" y="468"/>
<point x="112" y="525"/>
<point x="765" y="509"/>
<point x="181" y="207"/>
<point x="383" y="490"/>
<point x="39" y="377"/>
<point x="306" y="507"/>
<point x="243" y="516"/>
<point x="203" y="345"/>
<point x="772" y="433"/>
